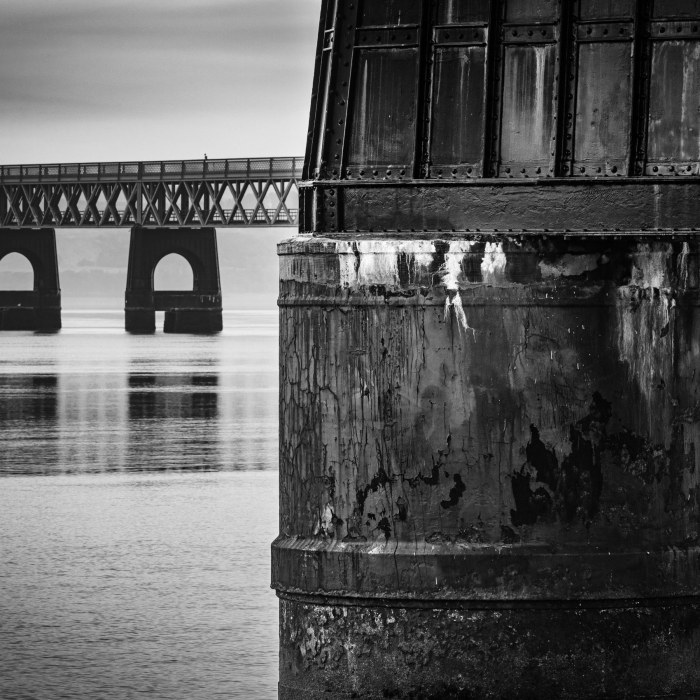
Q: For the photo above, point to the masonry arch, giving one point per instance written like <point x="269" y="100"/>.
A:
<point x="197" y="310"/>
<point x="30" y="300"/>
<point x="176" y="272"/>
<point x="17" y="272"/>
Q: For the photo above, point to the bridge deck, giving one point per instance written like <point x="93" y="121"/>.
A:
<point x="182" y="193"/>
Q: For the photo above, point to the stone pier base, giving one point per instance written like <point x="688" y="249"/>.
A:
<point x="40" y="308"/>
<point x="195" y="311"/>
<point x="488" y="468"/>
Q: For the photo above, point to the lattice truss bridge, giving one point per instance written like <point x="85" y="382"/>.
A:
<point x="240" y="192"/>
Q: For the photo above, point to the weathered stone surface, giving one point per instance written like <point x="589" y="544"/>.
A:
<point x="492" y="441"/>
<point x="340" y="651"/>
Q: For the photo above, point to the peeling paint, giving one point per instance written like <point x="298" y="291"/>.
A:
<point x="494" y="471"/>
<point x="569" y="266"/>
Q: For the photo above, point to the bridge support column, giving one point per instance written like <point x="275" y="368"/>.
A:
<point x="196" y="311"/>
<point x="483" y="470"/>
<point x="40" y="308"/>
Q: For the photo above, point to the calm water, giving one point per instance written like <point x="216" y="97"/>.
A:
<point x="137" y="508"/>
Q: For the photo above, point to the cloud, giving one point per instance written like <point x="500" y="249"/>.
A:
<point x="136" y="64"/>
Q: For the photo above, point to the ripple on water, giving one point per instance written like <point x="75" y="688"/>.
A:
<point x="138" y="564"/>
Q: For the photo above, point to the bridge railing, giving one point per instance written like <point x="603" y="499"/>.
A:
<point x="134" y="171"/>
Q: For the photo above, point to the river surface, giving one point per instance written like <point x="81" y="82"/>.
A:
<point x="138" y="501"/>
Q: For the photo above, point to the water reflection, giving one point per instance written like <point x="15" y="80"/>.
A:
<point x="28" y="400"/>
<point x="173" y="407"/>
<point x="99" y="400"/>
<point x="109" y="582"/>
<point x="25" y="398"/>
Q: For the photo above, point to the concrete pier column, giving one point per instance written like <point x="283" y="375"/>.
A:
<point x="39" y="309"/>
<point x="489" y="353"/>
<point x="488" y="483"/>
<point x="195" y="311"/>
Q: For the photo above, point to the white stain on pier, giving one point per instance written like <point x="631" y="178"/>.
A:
<point x="493" y="263"/>
<point x="645" y="320"/>
<point x="375" y="263"/>
<point x="650" y="268"/>
<point x="452" y="272"/>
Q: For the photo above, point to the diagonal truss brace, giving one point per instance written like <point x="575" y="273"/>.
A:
<point x="179" y="203"/>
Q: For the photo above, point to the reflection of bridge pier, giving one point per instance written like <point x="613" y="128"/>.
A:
<point x="195" y="311"/>
<point x="40" y="308"/>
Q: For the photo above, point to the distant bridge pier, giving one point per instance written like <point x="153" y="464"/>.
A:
<point x="40" y="308"/>
<point x="194" y="311"/>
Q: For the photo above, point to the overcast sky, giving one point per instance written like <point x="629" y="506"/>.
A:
<point x="85" y="80"/>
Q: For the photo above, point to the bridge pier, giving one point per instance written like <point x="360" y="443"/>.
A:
<point x="40" y="308"/>
<point x="195" y="311"/>
<point x="489" y="397"/>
